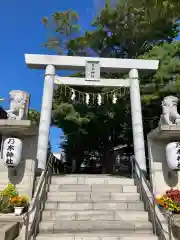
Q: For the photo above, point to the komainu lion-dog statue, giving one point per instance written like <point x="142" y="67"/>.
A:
<point x="170" y="115"/>
<point x="19" y="104"/>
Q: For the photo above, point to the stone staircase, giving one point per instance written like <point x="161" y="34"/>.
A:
<point x="94" y="207"/>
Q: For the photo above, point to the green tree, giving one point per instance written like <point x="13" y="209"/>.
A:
<point x="64" y="24"/>
<point x="134" y="29"/>
<point x="34" y="116"/>
<point x="129" y="29"/>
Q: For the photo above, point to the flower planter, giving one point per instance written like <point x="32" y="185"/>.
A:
<point x="18" y="210"/>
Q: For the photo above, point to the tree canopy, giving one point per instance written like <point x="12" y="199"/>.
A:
<point x="34" y="116"/>
<point x="133" y="29"/>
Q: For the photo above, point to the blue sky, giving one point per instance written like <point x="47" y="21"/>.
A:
<point x="22" y="32"/>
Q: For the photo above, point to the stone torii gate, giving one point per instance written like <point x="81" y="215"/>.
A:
<point x="52" y="62"/>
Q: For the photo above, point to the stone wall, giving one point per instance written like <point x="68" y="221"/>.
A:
<point x="24" y="174"/>
<point x="162" y="177"/>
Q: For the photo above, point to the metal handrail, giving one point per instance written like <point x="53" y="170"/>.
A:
<point x="157" y="225"/>
<point x="32" y="217"/>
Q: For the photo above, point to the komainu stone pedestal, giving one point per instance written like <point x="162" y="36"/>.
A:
<point x="23" y="175"/>
<point x="162" y="177"/>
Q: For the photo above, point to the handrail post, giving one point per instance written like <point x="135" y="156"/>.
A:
<point x="132" y="167"/>
<point x="141" y="196"/>
<point x="154" y="214"/>
<point x="37" y="219"/>
<point x="170" y="225"/>
<point x="26" y="227"/>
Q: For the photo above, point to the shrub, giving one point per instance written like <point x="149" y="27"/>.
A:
<point x="9" y="191"/>
<point x="170" y="200"/>
<point x="9" y="198"/>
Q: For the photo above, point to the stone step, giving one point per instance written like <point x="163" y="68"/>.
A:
<point x="92" y="188"/>
<point x="89" y="179"/>
<point x="91" y="196"/>
<point x="93" y="226"/>
<point x="82" y="206"/>
<point x="96" y="236"/>
<point x="94" y="215"/>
